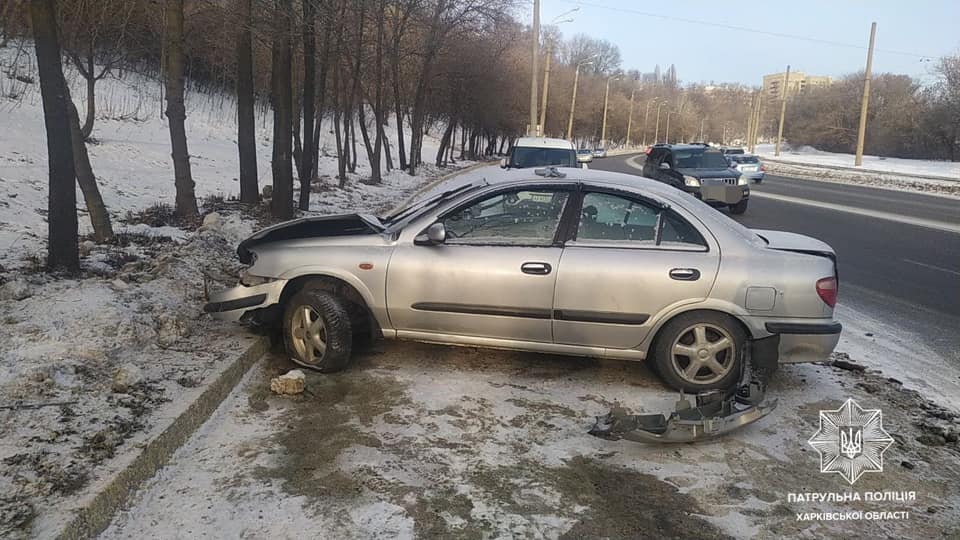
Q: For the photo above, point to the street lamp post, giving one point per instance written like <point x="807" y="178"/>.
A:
<point x="606" y="101"/>
<point x="630" y="116"/>
<point x="646" y="114"/>
<point x="701" y="129"/>
<point x="546" y="71"/>
<point x="656" y="134"/>
<point x="573" y="101"/>
<point x="666" y="136"/>
<point x="532" y="128"/>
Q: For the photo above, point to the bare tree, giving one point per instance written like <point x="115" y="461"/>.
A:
<point x="281" y="83"/>
<point x="246" y="103"/>
<point x="99" y="217"/>
<point x="309" y="101"/>
<point x="62" y="202"/>
<point x="186" y="201"/>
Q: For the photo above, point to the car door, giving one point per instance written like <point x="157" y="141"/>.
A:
<point x="630" y="260"/>
<point x="494" y="276"/>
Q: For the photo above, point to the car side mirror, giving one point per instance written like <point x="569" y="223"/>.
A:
<point x="664" y="165"/>
<point x="434" y="235"/>
<point x="503" y="163"/>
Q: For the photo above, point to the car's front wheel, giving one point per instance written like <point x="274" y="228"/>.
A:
<point x="700" y="351"/>
<point x="740" y="207"/>
<point x="316" y="330"/>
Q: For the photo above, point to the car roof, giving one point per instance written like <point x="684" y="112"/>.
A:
<point x="543" y="142"/>
<point x="696" y="146"/>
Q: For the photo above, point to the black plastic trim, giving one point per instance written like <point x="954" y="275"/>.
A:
<point x="239" y="303"/>
<point x="804" y="328"/>
<point x="606" y="317"/>
<point x="474" y="309"/>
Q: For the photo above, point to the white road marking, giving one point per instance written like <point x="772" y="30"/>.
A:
<point x="932" y="267"/>
<point x="633" y="161"/>
<point x="920" y="222"/>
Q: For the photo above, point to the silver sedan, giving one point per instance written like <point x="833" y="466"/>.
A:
<point x="565" y="261"/>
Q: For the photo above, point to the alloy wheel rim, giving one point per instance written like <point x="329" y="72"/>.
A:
<point x="703" y="354"/>
<point x="308" y="334"/>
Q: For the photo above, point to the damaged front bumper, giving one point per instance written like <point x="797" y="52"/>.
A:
<point x="714" y="413"/>
<point x="233" y="303"/>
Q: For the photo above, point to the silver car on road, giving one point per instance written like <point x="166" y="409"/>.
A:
<point x="565" y="261"/>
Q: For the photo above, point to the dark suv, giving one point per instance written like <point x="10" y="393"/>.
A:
<point x="700" y="170"/>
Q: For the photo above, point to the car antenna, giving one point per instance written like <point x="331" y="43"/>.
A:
<point x="550" y="172"/>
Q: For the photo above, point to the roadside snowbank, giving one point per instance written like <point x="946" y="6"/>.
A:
<point x="930" y="177"/>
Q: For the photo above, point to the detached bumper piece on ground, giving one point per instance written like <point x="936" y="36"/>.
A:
<point x="716" y="413"/>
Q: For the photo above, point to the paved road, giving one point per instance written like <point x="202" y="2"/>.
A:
<point x="899" y="253"/>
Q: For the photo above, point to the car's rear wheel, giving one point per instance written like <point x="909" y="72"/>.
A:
<point x="740" y="207"/>
<point x="316" y="330"/>
<point x="700" y="351"/>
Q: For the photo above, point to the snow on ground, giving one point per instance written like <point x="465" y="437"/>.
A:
<point x="811" y="156"/>
<point x="137" y="305"/>
<point x="924" y="176"/>
<point x="431" y="442"/>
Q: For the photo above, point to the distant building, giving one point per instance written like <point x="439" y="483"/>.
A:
<point x="798" y="82"/>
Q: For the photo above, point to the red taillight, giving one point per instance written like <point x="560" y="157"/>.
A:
<point x="763" y="168"/>
<point x="827" y="289"/>
<point x="648" y="150"/>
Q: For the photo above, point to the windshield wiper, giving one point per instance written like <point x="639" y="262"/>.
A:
<point x="432" y="200"/>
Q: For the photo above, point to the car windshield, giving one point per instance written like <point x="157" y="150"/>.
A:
<point x="523" y="156"/>
<point x="416" y="207"/>
<point x="583" y="151"/>
<point x="699" y="159"/>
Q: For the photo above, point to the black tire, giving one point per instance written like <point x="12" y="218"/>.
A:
<point x="336" y="330"/>
<point x="740" y="207"/>
<point x="758" y="180"/>
<point x="681" y="331"/>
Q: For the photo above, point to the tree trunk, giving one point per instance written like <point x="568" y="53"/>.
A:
<point x="321" y="91"/>
<point x="62" y="201"/>
<point x="281" y="83"/>
<point x="186" y="201"/>
<point x="362" y="119"/>
<point x="444" y="143"/>
<point x="246" y="103"/>
<point x="87" y="129"/>
<point x="99" y="217"/>
<point x="386" y="147"/>
<point x="398" y="103"/>
<point x="309" y="101"/>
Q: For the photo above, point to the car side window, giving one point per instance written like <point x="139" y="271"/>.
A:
<point x="612" y="220"/>
<point x="514" y="218"/>
<point x="609" y="217"/>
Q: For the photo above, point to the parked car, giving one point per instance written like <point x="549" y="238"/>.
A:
<point x="599" y="152"/>
<point x="585" y="155"/>
<point x="584" y="262"/>
<point x="749" y="166"/>
<point x="700" y="170"/>
<point x="540" y="152"/>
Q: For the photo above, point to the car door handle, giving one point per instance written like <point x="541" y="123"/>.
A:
<point x="685" y="274"/>
<point x="536" y="268"/>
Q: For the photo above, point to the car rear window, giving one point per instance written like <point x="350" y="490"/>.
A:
<point x="699" y="159"/>
<point x="523" y="156"/>
<point x="745" y="159"/>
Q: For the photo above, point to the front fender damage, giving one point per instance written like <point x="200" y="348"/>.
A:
<point x="714" y="414"/>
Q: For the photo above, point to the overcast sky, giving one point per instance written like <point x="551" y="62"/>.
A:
<point x="713" y="53"/>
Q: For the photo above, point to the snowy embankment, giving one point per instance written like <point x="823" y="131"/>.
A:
<point x="925" y="176"/>
<point x="92" y="367"/>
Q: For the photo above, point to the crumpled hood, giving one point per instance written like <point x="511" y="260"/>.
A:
<point x="311" y="227"/>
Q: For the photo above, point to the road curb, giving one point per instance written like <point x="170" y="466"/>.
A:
<point x="95" y="515"/>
